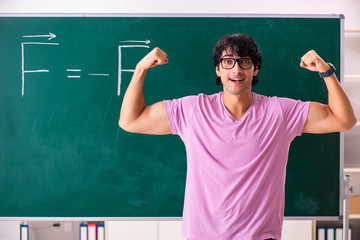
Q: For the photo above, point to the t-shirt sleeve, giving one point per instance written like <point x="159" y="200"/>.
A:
<point x="295" y="113"/>
<point x="178" y="113"/>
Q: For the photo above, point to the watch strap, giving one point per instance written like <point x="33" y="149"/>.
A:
<point x="328" y="73"/>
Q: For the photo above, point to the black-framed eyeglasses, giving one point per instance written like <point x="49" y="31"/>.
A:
<point x="229" y="63"/>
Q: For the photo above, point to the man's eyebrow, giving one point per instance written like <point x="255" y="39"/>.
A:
<point x="228" y="55"/>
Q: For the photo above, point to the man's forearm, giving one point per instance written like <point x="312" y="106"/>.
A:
<point x="134" y="102"/>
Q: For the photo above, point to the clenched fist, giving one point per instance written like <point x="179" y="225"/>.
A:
<point x="154" y="58"/>
<point x="313" y="62"/>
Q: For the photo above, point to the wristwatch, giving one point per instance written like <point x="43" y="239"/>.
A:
<point x="328" y="73"/>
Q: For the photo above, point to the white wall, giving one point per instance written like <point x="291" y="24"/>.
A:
<point x="350" y="8"/>
<point x="9" y="230"/>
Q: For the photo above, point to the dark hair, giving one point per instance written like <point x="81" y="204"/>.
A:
<point x="240" y="44"/>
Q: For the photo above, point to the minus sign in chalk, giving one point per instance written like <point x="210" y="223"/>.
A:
<point x="98" y="74"/>
<point x="73" y="76"/>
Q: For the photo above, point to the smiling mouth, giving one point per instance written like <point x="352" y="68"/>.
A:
<point x="236" y="79"/>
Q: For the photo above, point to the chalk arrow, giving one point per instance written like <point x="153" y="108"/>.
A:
<point x="50" y="36"/>
<point x="134" y="41"/>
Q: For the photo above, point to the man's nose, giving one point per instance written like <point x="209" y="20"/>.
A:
<point x="237" y="67"/>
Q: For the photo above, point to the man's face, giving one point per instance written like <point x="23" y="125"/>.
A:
<point x="237" y="79"/>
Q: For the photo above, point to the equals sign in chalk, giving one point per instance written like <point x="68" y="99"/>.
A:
<point x="74" y="71"/>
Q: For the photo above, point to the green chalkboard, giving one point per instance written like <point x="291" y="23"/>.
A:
<point x="62" y="153"/>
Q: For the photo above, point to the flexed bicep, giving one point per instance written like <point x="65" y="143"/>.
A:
<point x="135" y="116"/>
<point x="154" y="120"/>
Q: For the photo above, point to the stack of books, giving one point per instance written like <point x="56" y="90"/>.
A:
<point x="92" y="231"/>
<point x="331" y="233"/>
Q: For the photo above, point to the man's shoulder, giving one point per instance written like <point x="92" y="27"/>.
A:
<point x="263" y="100"/>
<point x="276" y="104"/>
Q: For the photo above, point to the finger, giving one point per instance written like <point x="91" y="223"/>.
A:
<point x="310" y="60"/>
<point x="306" y="63"/>
<point x="158" y="52"/>
<point x="161" y="52"/>
<point x="161" y="57"/>
<point x="306" y="60"/>
<point x="302" y="64"/>
<point x="160" y="60"/>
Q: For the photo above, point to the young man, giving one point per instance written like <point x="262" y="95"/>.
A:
<point x="236" y="141"/>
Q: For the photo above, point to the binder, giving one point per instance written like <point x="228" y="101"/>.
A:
<point x="330" y="233"/>
<point x="350" y="233"/>
<point x="91" y="231"/>
<point x="321" y="233"/>
<point x="100" y="232"/>
<point x="24" y="232"/>
<point x="83" y="232"/>
<point x="339" y="233"/>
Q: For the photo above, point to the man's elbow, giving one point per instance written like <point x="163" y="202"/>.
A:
<point x="128" y="126"/>
<point x="124" y="125"/>
<point x="349" y="125"/>
<point x="353" y="123"/>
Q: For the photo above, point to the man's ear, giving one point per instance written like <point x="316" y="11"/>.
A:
<point x="217" y="70"/>
<point x="256" y="70"/>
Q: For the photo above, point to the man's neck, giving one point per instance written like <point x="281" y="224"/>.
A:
<point x="237" y="105"/>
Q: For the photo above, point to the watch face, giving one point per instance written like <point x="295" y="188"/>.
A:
<point x="332" y="66"/>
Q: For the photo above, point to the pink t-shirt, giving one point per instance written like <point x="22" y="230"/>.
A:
<point x="235" y="169"/>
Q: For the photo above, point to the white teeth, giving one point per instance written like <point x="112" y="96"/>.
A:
<point x="236" y="79"/>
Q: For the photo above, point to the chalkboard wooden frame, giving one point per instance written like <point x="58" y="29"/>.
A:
<point x="341" y="159"/>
